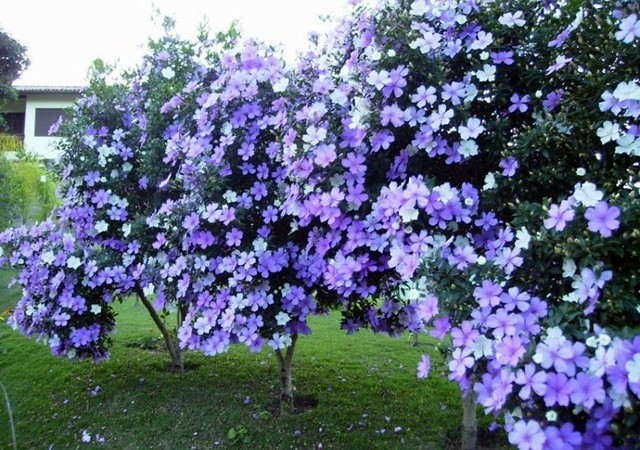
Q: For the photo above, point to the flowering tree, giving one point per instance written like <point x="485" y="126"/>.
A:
<point x="95" y="247"/>
<point x="438" y="151"/>
<point x="225" y="244"/>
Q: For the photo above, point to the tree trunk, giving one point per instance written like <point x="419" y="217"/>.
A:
<point x="172" y="347"/>
<point x="286" y="388"/>
<point x="469" y="422"/>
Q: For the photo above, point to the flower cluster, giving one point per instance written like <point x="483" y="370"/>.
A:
<point x="223" y="247"/>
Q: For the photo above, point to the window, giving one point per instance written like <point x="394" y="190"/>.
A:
<point x="45" y="117"/>
<point x="14" y="124"/>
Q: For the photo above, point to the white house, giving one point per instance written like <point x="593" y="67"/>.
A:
<point x="33" y="113"/>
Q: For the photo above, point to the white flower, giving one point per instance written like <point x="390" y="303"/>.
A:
<point x="126" y="229"/>
<point x="126" y="167"/>
<point x="168" y="73"/>
<point x="592" y="341"/>
<point x="628" y="145"/>
<point x="468" y="148"/>
<point x="419" y="8"/>
<point x="488" y="73"/>
<point x="489" y="182"/>
<point x="629" y="29"/>
<point x="74" y="262"/>
<point x="482" y="347"/>
<point x="627" y="91"/>
<point x="47" y="257"/>
<point x="281" y="85"/>
<point x="609" y="131"/>
<point x="633" y="368"/>
<point x="470" y="93"/>
<point x="512" y="19"/>
<point x="551" y="415"/>
<point x="620" y="399"/>
<point x="578" y="20"/>
<point x="101" y="226"/>
<point x="96" y="309"/>
<point x="472" y="129"/>
<point x="568" y="268"/>
<point x="86" y="436"/>
<point x="587" y="194"/>
<point x="604" y="339"/>
<point x="555" y="333"/>
<point x="378" y="79"/>
<point x="43" y="178"/>
<point x="230" y="196"/>
<point x="149" y="289"/>
<point x="581" y="172"/>
<point x="338" y="97"/>
<point x="523" y="238"/>
<point x="282" y="318"/>
<point x="260" y="245"/>
<point x="408" y="214"/>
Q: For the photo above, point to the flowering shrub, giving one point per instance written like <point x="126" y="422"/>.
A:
<point x="224" y="244"/>
<point x="444" y="148"/>
<point x="94" y="248"/>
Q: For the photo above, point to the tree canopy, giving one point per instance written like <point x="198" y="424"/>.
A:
<point x="13" y="61"/>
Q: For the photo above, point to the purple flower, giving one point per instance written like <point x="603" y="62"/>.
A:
<point x="270" y="214"/>
<point x="396" y="82"/>
<point x="561" y="38"/>
<point x="503" y="323"/>
<point x="519" y="103"/>
<point x="453" y="91"/>
<point x="234" y="237"/>
<point x="462" y="257"/>
<point x="354" y="163"/>
<point x="553" y="99"/>
<point x="392" y="114"/>
<point x="530" y="380"/>
<point x="509" y="351"/>
<point x="586" y="390"/>
<point x="558" y="390"/>
<point x="564" y="438"/>
<point x="509" y="259"/>
<point x="559" y="215"/>
<point x="488" y="293"/>
<point x="561" y="61"/>
<point x="441" y="327"/>
<point x="424" y="366"/>
<point x="464" y="336"/>
<point x="92" y="177"/>
<point x="487" y="220"/>
<point x="461" y="360"/>
<point x="602" y="218"/>
<point x="191" y="222"/>
<point x="527" y="435"/>
<point x="629" y="29"/>
<point x="505" y="57"/>
<point x="509" y="166"/>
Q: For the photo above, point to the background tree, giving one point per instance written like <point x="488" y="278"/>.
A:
<point x="13" y="61"/>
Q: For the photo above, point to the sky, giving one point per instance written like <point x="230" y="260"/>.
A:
<point x="63" y="37"/>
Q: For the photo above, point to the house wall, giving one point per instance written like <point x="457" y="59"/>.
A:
<point x="43" y="147"/>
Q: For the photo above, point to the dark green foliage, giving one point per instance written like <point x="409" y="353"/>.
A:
<point x="13" y="61"/>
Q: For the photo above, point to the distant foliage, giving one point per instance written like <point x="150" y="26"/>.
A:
<point x="27" y="191"/>
<point x="13" y="61"/>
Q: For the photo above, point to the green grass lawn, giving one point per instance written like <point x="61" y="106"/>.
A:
<point x="368" y="395"/>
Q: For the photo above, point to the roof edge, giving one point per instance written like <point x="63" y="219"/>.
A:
<point x="49" y="89"/>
